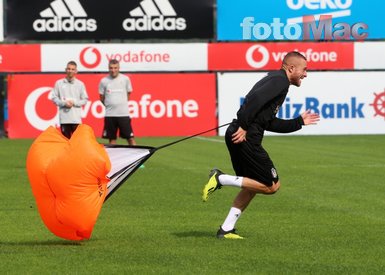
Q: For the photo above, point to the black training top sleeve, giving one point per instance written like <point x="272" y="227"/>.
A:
<point x="261" y="94"/>
<point x="278" y="125"/>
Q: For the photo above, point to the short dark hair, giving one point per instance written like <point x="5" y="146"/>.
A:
<point x="292" y="54"/>
<point x="113" y="61"/>
<point x="72" y="63"/>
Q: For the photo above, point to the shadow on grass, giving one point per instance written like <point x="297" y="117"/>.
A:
<point x="41" y="243"/>
<point x="188" y="234"/>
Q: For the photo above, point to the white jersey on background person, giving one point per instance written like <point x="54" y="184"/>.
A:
<point x="115" y="92"/>
<point x="74" y="90"/>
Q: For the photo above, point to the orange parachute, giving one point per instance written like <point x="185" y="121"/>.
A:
<point x="69" y="180"/>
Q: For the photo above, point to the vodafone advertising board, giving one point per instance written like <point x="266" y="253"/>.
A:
<point x="132" y="57"/>
<point x="348" y="102"/>
<point x="190" y="56"/>
<point x="268" y="56"/>
<point x="20" y="58"/>
<point x="160" y="104"/>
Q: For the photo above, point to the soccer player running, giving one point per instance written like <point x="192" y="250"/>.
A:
<point x="69" y="94"/>
<point x="255" y="172"/>
<point x="114" y="92"/>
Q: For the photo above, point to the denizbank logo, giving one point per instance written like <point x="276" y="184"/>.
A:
<point x="379" y="104"/>
<point x="352" y="108"/>
<point x="154" y="15"/>
<point x="346" y="110"/>
<point x="317" y="26"/>
<point x="64" y="16"/>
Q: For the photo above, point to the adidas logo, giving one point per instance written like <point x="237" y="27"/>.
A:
<point x="154" y="15"/>
<point x="64" y="16"/>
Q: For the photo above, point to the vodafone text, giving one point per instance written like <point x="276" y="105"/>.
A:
<point x="310" y="54"/>
<point x="157" y="108"/>
<point x="143" y="108"/>
<point x="147" y="107"/>
<point x="139" y="57"/>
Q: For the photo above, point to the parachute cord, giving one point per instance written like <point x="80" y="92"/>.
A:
<point x="182" y="139"/>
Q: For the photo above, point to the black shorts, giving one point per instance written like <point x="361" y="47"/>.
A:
<point x="113" y="124"/>
<point x="250" y="160"/>
<point x="68" y="129"/>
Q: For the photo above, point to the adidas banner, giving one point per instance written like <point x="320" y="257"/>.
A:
<point x="95" y="20"/>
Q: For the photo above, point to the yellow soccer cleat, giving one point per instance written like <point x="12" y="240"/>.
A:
<point x="212" y="185"/>
<point x="231" y="234"/>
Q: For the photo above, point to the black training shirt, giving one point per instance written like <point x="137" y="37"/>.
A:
<point x="261" y="104"/>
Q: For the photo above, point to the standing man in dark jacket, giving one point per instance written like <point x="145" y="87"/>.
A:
<point x="255" y="172"/>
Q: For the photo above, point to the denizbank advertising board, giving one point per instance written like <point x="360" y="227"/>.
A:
<point x="345" y="106"/>
<point x="300" y="20"/>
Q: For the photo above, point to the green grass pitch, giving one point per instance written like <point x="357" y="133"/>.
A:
<point x="328" y="217"/>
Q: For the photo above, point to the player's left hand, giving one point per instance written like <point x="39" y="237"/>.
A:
<point x="310" y="118"/>
<point x="239" y="136"/>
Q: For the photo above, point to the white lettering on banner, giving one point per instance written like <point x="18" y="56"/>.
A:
<point x="144" y="108"/>
<point x="157" y="17"/>
<point x="140" y="57"/>
<point x="318" y="4"/>
<point x="68" y="17"/>
<point x="71" y="24"/>
<point x="158" y="109"/>
<point x="310" y="56"/>
<point x="155" y="24"/>
<point x="1" y="59"/>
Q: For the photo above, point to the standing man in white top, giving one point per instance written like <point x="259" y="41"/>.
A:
<point x="69" y="94"/>
<point x="114" y="91"/>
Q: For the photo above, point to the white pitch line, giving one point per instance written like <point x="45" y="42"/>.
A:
<point x="375" y="165"/>
<point x="210" y="139"/>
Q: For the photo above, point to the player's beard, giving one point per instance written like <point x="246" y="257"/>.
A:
<point x="296" y="80"/>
